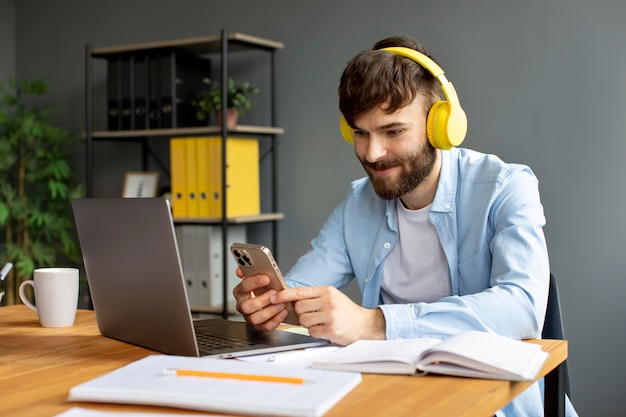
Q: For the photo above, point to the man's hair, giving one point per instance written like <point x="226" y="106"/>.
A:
<point x="375" y="77"/>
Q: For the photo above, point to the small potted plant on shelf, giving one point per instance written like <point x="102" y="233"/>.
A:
<point x="210" y="100"/>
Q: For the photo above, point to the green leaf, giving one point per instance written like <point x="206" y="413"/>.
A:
<point x="4" y="213"/>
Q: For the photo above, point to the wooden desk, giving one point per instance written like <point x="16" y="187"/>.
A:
<point x="38" y="366"/>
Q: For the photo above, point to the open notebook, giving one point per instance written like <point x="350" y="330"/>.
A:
<point x="138" y="290"/>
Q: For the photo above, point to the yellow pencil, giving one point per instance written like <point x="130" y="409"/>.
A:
<point x="245" y="377"/>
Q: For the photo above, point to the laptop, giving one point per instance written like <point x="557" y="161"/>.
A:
<point x="138" y="291"/>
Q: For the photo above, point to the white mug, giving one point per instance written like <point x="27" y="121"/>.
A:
<point x="56" y="296"/>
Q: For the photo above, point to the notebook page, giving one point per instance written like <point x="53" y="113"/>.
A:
<point x="143" y="382"/>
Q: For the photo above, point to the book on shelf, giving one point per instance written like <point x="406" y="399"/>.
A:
<point x="197" y="177"/>
<point x="144" y="382"/>
<point x="471" y="354"/>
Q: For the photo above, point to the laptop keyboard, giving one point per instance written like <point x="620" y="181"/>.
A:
<point x="210" y="343"/>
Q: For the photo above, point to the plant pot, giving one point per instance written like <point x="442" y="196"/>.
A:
<point x="231" y="117"/>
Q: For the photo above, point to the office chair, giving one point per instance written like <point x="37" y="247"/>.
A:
<point x="553" y="326"/>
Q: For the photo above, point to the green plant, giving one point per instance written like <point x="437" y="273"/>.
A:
<point x="36" y="186"/>
<point x="210" y="100"/>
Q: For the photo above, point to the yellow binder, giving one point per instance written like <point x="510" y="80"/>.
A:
<point x="202" y="170"/>
<point x="177" y="180"/>
<point x="242" y="175"/>
<point x="203" y="175"/>
<point x="191" y="170"/>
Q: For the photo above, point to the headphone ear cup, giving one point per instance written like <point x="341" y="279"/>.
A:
<point x="346" y="130"/>
<point x="437" y="125"/>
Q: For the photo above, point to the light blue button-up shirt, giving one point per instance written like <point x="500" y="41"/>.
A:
<point x="489" y="219"/>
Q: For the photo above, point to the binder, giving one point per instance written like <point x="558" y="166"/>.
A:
<point x="185" y="238"/>
<point x="203" y="156"/>
<point x="177" y="180"/>
<point x="166" y="79"/>
<point x="140" y="92"/>
<point x="154" y="91"/>
<point x="181" y="80"/>
<point x="125" y="101"/>
<point x="200" y="248"/>
<point x="243" y="197"/>
<point x="209" y="260"/>
<point x="215" y="181"/>
<point x="203" y="174"/>
<point x="114" y="86"/>
<point x="191" y="176"/>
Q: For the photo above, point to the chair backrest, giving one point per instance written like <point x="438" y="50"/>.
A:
<point x="553" y="325"/>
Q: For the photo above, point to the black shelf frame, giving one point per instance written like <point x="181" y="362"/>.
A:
<point x="224" y="44"/>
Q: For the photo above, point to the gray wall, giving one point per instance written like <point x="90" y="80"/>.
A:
<point x="542" y="83"/>
<point x="7" y="39"/>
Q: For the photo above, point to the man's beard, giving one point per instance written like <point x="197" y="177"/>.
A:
<point x="416" y="167"/>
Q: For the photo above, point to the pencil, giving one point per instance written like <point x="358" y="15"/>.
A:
<point x="244" y="377"/>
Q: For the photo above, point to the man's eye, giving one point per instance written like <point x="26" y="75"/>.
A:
<point x="360" y="134"/>
<point x="394" y="132"/>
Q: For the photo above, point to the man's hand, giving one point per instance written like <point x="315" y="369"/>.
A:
<point x="330" y="314"/>
<point x="253" y="302"/>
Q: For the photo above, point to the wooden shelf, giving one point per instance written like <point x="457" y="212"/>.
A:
<point x="263" y="217"/>
<point x="198" y="45"/>
<point x="185" y="131"/>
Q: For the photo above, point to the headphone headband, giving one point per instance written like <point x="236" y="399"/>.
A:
<point x="446" y="124"/>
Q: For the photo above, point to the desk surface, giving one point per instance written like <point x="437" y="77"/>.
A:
<point x="38" y="366"/>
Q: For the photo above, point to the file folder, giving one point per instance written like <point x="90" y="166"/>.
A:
<point x="204" y="167"/>
<point x="114" y="87"/>
<point x="154" y="91"/>
<point x="140" y="92"/>
<point x="178" y="181"/>
<point x="191" y="176"/>
<point x="181" y="79"/>
<point x="126" y="92"/>
<point x="243" y="196"/>
<point x="200" y="247"/>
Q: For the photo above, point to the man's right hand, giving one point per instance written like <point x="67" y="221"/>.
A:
<point x="253" y="302"/>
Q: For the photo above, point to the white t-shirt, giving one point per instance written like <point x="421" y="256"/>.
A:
<point x="416" y="269"/>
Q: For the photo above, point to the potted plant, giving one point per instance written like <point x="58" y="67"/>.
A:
<point x="210" y="100"/>
<point x="36" y="187"/>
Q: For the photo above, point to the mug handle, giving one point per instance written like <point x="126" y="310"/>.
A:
<point x="23" y="296"/>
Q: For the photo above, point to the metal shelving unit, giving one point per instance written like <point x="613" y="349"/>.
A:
<point x="223" y="46"/>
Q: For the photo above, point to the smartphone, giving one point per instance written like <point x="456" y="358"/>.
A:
<point x="256" y="259"/>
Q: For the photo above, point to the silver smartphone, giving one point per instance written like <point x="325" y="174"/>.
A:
<point x="256" y="259"/>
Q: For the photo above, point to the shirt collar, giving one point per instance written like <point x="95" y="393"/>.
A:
<point x="445" y="196"/>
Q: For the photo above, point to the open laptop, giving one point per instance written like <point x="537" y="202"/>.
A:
<point x="138" y="290"/>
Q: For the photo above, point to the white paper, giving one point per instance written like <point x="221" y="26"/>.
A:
<point x="143" y="382"/>
<point x="83" y="412"/>
<point x="301" y="358"/>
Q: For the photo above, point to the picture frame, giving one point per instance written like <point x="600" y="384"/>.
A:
<point x="140" y="184"/>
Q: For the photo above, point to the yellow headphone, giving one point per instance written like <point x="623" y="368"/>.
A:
<point x="446" y="124"/>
